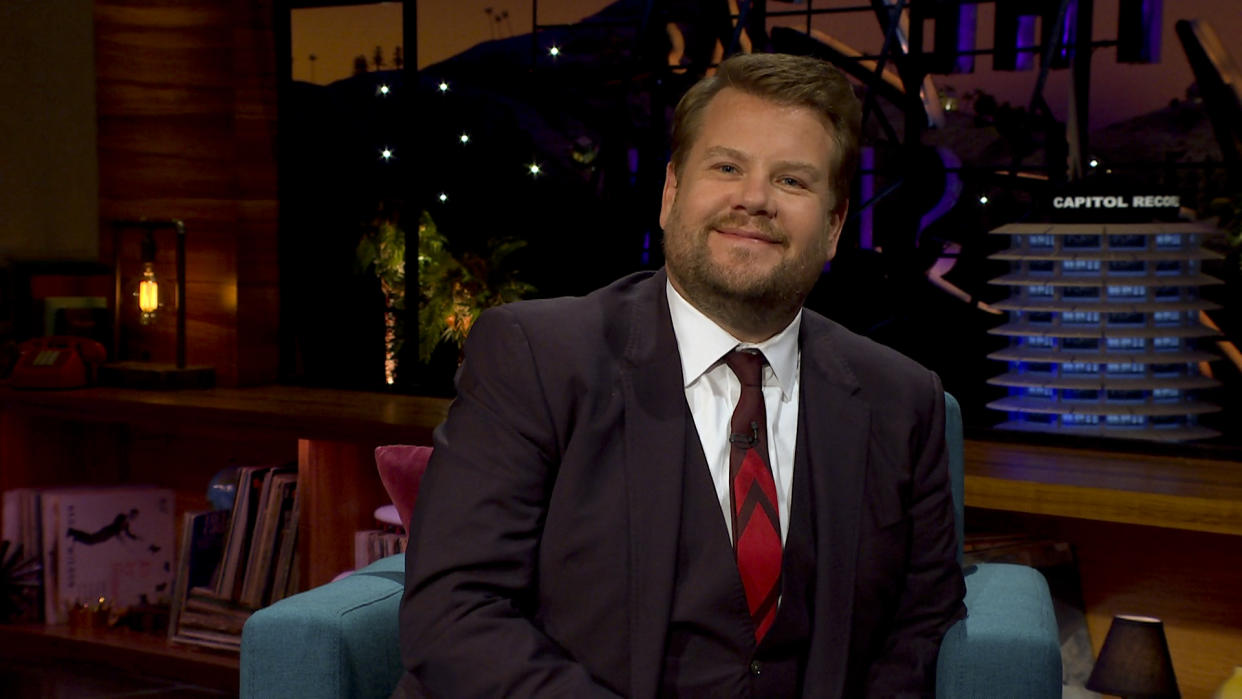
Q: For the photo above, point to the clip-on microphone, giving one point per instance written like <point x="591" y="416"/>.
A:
<point x="742" y="441"/>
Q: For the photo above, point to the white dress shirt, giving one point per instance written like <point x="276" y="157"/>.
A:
<point x="712" y="390"/>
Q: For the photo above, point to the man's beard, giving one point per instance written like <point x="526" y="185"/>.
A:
<point x="739" y="297"/>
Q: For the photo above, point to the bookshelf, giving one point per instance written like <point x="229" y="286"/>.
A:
<point x="1155" y="531"/>
<point x="179" y="440"/>
<point x="132" y="651"/>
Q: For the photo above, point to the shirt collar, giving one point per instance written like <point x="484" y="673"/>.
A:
<point x="701" y="343"/>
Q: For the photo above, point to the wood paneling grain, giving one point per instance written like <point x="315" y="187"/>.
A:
<point x="187" y="129"/>
<point x="340" y="489"/>
<point x="1132" y="488"/>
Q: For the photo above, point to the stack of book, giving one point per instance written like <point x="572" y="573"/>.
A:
<point x="234" y="562"/>
<point x="388" y="538"/>
<point x="370" y="545"/>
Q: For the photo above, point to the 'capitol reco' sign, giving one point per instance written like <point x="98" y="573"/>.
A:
<point x="1114" y="207"/>
<point x="1137" y="201"/>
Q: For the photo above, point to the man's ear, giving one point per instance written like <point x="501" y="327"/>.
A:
<point x="670" y="193"/>
<point x="836" y="221"/>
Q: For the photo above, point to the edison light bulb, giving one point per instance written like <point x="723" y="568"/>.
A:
<point x="148" y="292"/>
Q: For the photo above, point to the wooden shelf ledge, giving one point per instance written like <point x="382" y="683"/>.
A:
<point x="308" y="413"/>
<point x="133" y="651"/>
<point x="1152" y="489"/>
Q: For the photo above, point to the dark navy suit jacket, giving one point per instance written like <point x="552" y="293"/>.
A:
<point x="542" y="552"/>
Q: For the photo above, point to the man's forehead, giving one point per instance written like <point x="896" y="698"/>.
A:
<point x="712" y="138"/>
<point x="734" y="94"/>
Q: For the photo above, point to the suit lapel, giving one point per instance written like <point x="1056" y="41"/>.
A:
<point x="655" y="437"/>
<point x="832" y="445"/>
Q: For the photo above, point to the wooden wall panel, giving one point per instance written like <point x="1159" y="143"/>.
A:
<point x="186" y="98"/>
<point x="340" y="488"/>
<point x="258" y="295"/>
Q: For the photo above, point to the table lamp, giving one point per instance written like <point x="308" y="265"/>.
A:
<point x="1135" y="661"/>
<point x="147" y="374"/>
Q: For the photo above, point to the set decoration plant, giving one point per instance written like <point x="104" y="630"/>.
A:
<point x="452" y="289"/>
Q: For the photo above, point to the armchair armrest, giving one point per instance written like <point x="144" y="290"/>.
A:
<point x="1008" y="645"/>
<point x="336" y="640"/>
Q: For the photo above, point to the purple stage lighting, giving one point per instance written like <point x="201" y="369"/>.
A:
<point x="1138" y="31"/>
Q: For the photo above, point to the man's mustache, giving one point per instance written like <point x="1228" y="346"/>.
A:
<point x="763" y="226"/>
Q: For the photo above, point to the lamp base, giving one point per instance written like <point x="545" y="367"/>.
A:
<point x="156" y="376"/>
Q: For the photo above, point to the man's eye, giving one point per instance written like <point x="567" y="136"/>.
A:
<point x="791" y="182"/>
<point x="727" y="168"/>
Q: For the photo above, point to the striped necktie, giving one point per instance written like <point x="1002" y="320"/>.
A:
<point x="752" y="492"/>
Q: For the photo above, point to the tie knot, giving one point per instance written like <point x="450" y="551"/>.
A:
<point x="747" y="365"/>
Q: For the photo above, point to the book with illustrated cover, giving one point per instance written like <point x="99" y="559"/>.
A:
<point x="229" y="575"/>
<point x="110" y="543"/>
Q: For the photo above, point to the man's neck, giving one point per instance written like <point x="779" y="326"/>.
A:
<point x="747" y="325"/>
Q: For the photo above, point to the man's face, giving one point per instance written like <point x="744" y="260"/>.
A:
<point x="750" y="219"/>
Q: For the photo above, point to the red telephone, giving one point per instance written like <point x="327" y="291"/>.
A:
<point x="57" y="362"/>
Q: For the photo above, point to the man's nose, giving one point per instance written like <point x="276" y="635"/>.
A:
<point x="754" y="196"/>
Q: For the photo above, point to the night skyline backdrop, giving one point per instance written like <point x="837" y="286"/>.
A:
<point x="1118" y="91"/>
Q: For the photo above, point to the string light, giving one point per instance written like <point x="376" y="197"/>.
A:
<point x="983" y="199"/>
<point x="1094" y="163"/>
<point x="383" y="90"/>
<point x="465" y="138"/>
<point x="554" y="51"/>
<point x="443" y="197"/>
<point x="386" y="153"/>
<point x="534" y="169"/>
<point x="443" y="87"/>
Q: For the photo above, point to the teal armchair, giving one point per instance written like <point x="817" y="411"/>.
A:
<point x="1008" y="645"/>
<point x="340" y="639"/>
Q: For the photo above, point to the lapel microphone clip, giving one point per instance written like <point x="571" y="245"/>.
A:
<point x="742" y="441"/>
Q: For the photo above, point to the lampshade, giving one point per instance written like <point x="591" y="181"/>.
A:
<point x="1135" y="661"/>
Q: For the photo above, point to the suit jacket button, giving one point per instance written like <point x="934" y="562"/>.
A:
<point x="754" y="668"/>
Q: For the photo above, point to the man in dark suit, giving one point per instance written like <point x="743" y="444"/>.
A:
<point x="684" y="484"/>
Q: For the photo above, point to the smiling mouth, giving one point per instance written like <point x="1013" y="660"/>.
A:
<point x="744" y="234"/>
